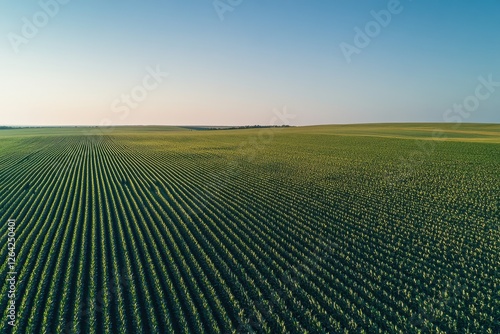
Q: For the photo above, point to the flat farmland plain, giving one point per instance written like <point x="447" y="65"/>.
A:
<point x="374" y="228"/>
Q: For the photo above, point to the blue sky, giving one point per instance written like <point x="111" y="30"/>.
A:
<point x="83" y="61"/>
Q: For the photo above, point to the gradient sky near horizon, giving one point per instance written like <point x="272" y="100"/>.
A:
<point x="264" y="55"/>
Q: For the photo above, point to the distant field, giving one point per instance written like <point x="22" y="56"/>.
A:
<point x="423" y="131"/>
<point x="371" y="228"/>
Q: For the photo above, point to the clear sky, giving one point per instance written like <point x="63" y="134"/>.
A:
<point x="232" y="62"/>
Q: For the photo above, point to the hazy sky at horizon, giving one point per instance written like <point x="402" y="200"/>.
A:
<point x="79" y="65"/>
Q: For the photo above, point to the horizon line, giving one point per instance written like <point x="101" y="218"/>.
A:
<point x="225" y="126"/>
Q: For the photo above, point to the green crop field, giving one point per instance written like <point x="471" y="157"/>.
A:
<point x="375" y="228"/>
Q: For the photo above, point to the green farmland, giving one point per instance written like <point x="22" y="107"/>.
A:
<point x="374" y="228"/>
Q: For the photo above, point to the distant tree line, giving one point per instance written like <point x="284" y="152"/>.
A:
<point x="247" y="127"/>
